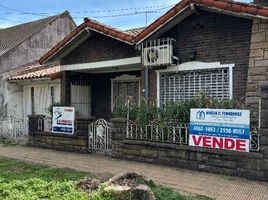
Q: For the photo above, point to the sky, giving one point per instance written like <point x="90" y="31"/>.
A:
<point x="122" y="14"/>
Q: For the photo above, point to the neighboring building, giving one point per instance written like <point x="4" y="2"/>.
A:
<point x="25" y="43"/>
<point x="210" y="45"/>
<point x="26" y="87"/>
<point x="32" y="89"/>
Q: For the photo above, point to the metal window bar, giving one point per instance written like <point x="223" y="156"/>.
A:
<point x="165" y="55"/>
<point x="176" y="86"/>
<point x="155" y="132"/>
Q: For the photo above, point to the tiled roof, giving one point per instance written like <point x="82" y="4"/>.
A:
<point x="33" y="71"/>
<point x="134" y="31"/>
<point x="95" y="26"/>
<point x="133" y="36"/>
<point x="220" y="5"/>
<point x="12" y="36"/>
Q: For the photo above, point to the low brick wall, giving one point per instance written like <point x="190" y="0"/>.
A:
<point x="251" y="165"/>
<point x="76" y="143"/>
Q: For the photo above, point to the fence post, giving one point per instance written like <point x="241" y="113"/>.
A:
<point x="119" y="131"/>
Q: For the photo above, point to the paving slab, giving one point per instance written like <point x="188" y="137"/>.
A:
<point x="186" y="181"/>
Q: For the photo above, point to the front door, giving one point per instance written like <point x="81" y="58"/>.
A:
<point x="123" y="88"/>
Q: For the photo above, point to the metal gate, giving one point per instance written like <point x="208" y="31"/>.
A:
<point x="99" y="138"/>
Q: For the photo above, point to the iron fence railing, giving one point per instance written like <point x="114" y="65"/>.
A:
<point x="179" y="134"/>
<point x="14" y="129"/>
<point x="45" y="124"/>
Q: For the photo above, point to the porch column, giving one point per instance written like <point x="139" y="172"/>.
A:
<point x="66" y="88"/>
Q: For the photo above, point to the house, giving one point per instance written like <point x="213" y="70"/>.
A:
<point x="215" y="46"/>
<point x="220" y="43"/>
<point x="21" y="47"/>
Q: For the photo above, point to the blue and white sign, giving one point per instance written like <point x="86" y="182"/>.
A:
<point x="63" y="120"/>
<point x="220" y="128"/>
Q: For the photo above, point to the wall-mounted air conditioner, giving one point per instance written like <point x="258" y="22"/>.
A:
<point x="158" y="55"/>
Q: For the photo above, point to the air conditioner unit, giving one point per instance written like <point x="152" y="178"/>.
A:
<point x="158" y="55"/>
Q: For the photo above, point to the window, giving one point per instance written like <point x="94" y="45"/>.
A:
<point x="123" y="87"/>
<point x="81" y="97"/>
<point x="32" y="101"/>
<point x="180" y="84"/>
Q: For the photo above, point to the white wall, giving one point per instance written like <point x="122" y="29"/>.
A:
<point x="42" y="96"/>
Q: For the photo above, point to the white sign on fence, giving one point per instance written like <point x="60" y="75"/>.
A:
<point x="63" y="120"/>
<point x="220" y="128"/>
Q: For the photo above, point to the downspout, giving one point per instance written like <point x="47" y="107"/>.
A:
<point x="146" y="82"/>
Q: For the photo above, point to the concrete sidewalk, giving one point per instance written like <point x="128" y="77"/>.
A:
<point x="212" y="185"/>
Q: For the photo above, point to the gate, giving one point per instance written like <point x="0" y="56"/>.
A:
<point x="99" y="137"/>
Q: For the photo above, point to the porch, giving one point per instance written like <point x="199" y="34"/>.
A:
<point x="97" y="89"/>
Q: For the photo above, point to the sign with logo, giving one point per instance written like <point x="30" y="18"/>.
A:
<point x="220" y="128"/>
<point x="63" y="120"/>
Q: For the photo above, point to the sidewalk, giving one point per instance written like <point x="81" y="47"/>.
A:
<point x="212" y="185"/>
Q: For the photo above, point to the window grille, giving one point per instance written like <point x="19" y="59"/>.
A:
<point x="124" y="89"/>
<point x="180" y="86"/>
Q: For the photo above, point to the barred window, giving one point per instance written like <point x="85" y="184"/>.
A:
<point x="124" y="89"/>
<point x="183" y="85"/>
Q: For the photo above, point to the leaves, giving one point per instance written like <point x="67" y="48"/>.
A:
<point x="173" y="112"/>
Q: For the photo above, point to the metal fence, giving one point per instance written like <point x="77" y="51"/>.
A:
<point x="179" y="134"/>
<point x="13" y="129"/>
<point x="45" y="124"/>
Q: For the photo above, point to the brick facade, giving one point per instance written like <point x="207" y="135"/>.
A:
<point x="99" y="48"/>
<point x="215" y="38"/>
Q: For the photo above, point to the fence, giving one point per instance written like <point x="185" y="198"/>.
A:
<point x="45" y="124"/>
<point x="156" y="132"/>
<point x="13" y="129"/>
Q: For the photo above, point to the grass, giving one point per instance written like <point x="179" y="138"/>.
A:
<point x="27" y="181"/>
<point x="17" y="170"/>
<point x="163" y="193"/>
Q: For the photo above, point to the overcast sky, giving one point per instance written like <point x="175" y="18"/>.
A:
<point x="123" y="14"/>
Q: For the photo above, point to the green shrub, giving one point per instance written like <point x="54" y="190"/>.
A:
<point x="31" y="189"/>
<point x="173" y="112"/>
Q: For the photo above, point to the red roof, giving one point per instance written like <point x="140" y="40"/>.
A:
<point x="231" y="6"/>
<point x="247" y="9"/>
<point x="33" y="71"/>
<point x="96" y="26"/>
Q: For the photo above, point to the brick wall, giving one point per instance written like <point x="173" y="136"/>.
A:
<point x="99" y="48"/>
<point x="75" y="143"/>
<point x="215" y="38"/>
<point x="252" y="165"/>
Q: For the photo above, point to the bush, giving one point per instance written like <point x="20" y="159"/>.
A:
<point x="173" y="112"/>
<point x="39" y="189"/>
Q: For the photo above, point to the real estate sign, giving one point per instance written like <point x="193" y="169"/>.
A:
<point x="63" y="120"/>
<point x="220" y="128"/>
